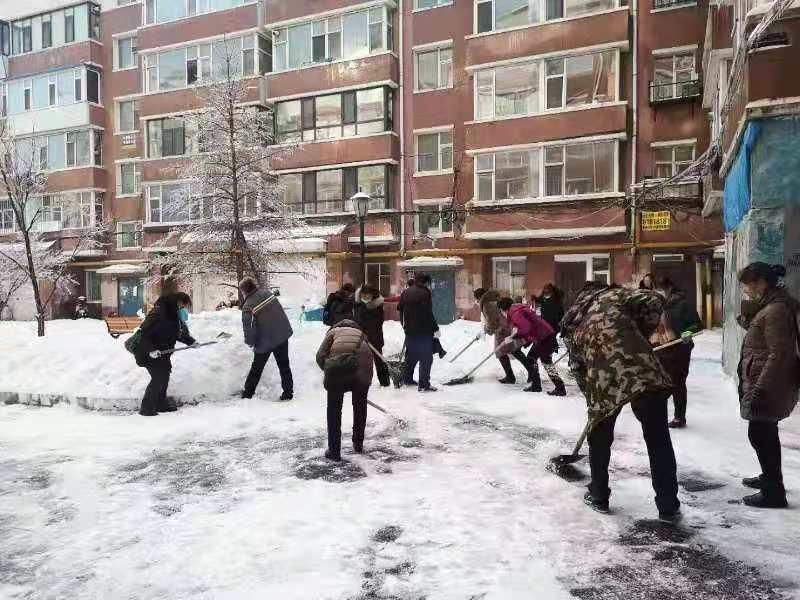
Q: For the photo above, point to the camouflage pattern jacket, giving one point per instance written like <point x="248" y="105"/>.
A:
<point x="606" y="332"/>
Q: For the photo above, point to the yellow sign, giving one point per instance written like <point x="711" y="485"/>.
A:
<point x="656" y="221"/>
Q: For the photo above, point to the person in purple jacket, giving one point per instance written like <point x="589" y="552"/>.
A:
<point x="529" y="329"/>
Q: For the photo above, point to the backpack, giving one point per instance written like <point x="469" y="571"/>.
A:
<point x="326" y="311"/>
<point x="343" y="367"/>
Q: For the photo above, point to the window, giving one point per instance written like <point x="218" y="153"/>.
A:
<point x="126" y="52"/>
<point x="93" y="286"/>
<point x="78" y="85"/>
<point x="511" y="276"/>
<point x="92" y="86"/>
<point x="129" y="179"/>
<point x="318" y="192"/>
<point x="435" y="152"/>
<point x="434" y="220"/>
<point x="674" y="77"/>
<point x="47" y="31"/>
<point x="50" y="213"/>
<point x="7" y="222"/>
<point x="420" y="4"/>
<point x="348" y="36"/>
<point x="580" y="80"/>
<point x="494" y="15"/>
<point x="28" y="94"/>
<point x="601" y="269"/>
<point x="3" y="100"/>
<point x="671" y="160"/>
<point x="360" y="112"/>
<point x="97" y="147"/>
<point x="167" y="203"/>
<point x="129" y="235"/>
<point x="198" y="63"/>
<point x="77" y="148"/>
<point x="128" y="116"/>
<point x="69" y="25"/>
<point x="171" y="67"/>
<point x="379" y="276"/>
<point x="167" y="137"/>
<point x="434" y="69"/>
<point x="558" y="170"/>
<point x="52" y="84"/>
<point x="79" y="209"/>
<point x="163" y="11"/>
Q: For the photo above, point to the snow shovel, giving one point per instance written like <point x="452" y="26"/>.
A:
<point x="468" y="377"/>
<point x="220" y="338"/>
<point x="395" y="368"/>
<point x="465" y="348"/>
<point x="567" y="459"/>
<point x="401" y="423"/>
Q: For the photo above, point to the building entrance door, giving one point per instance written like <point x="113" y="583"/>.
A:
<point x="130" y="296"/>
<point x="570" y="278"/>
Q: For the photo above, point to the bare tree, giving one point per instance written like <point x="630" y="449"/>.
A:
<point x="33" y="256"/>
<point x="231" y="198"/>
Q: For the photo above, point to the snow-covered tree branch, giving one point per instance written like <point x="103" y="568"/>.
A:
<point x="232" y="200"/>
<point x="37" y="255"/>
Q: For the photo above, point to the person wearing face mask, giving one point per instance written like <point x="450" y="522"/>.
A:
<point x="368" y="314"/>
<point x="551" y="306"/>
<point x="161" y="329"/>
<point x="769" y="374"/>
<point x="679" y="320"/>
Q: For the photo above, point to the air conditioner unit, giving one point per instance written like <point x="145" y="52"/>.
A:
<point x="668" y="258"/>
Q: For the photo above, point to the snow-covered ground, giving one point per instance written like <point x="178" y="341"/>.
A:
<point x="230" y="499"/>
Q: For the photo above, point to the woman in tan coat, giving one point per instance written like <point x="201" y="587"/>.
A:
<point x="769" y="374"/>
<point x="345" y="341"/>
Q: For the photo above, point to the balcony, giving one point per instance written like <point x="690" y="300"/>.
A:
<point x="686" y="193"/>
<point x="662" y="4"/>
<point x="666" y="93"/>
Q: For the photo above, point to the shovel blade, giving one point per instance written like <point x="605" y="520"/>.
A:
<point x="566" y="459"/>
<point x="458" y="381"/>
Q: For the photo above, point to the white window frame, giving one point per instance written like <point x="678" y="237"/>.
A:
<point x="138" y="233"/>
<point x="381" y="266"/>
<point x="205" y="4"/>
<point x="441" y="147"/>
<point x="7" y="210"/>
<point x="674" y="54"/>
<point x="441" y="206"/>
<point x="118" y="124"/>
<point x="149" y="198"/>
<point x="440" y="84"/>
<point x="436" y="4"/>
<point x="542" y="12"/>
<point x="543" y="163"/>
<point x="672" y="146"/>
<point x="137" y="179"/>
<point x="134" y="61"/>
<point x="588" y="260"/>
<point x="510" y="260"/>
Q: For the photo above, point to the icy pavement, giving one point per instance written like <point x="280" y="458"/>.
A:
<point x="231" y="499"/>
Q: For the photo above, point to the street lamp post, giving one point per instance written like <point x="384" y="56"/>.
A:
<point x="361" y="209"/>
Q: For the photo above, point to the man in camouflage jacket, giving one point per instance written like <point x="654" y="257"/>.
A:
<point x="606" y="331"/>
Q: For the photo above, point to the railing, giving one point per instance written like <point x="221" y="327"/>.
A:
<point x="675" y="91"/>
<point x="671" y="3"/>
<point x="683" y="192"/>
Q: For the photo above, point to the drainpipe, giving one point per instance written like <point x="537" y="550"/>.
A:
<point x="402" y="92"/>
<point x="635" y="127"/>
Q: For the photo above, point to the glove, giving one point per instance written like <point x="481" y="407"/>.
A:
<point x="481" y="335"/>
<point x="155" y="354"/>
<point x="686" y="337"/>
<point x="437" y="334"/>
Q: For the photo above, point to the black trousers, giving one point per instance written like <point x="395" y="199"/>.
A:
<point x="335" y="402"/>
<point x="676" y="361"/>
<point x="505" y="362"/>
<point x="543" y="353"/>
<point x="765" y="441"/>
<point x="155" y="395"/>
<point x="257" y="369"/>
<point x="651" y="411"/>
<point x="380" y="368"/>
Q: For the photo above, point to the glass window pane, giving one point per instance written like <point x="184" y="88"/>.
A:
<point x="329" y="116"/>
<point x="375" y="37"/>
<point x="288" y="119"/>
<point x="171" y="73"/>
<point x="126" y="116"/>
<point x="485" y="186"/>
<point x="329" y="191"/>
<point x="299" y="45"/>
<point x="372" y="181"/>
<point x="555" y="92"/>
<point x="428" y="152"/>
<point x="513" y="175"/>
<point x="485" y="104"/>
<point x="510" y="13"/>
<point x="684" y="153"/>
<point x="484" y="162"/>
<point x="517" y="90"/>
<point x="428" y="70"/>
<point x="370" y="104"/>
<point x="484" y="17"/>
<point x="580" y="79"/>
<point x="446" y="67"/>
<point x="169" y="11"/>
<point x="553" y="176"/>
<point x="356" y="43"/>
<point x="55" y="151"/>
<point x="600" y="264"/>
<point x="575" y="8"/>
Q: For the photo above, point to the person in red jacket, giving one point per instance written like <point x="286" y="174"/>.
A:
<point x="532" y="330"/>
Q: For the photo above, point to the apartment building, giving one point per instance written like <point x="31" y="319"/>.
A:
<point x="503" y="143"/>
<point x="754" y="108"/>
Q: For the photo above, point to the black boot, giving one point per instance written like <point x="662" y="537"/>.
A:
<point x="167" y="405"/>
<point x="559" y="390"/>
<point x="286" y="396"/>
<point x="597" y="504"/>
<point x="670" y="518"/>
<point x="358" y="447"/>
<point x="762" y="500"/>
<point x="754" y="482"/>
<point x="536" y="386"/>
<point x="331" y="456"/>
<point x="507" y="380"/>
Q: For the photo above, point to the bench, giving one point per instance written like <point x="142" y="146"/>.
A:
<point x="119" y="325"/>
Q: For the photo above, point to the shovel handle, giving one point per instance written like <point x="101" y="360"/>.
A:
<point x="465" y="348"/>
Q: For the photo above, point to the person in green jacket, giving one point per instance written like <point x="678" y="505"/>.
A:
<point x="679" y="319"/>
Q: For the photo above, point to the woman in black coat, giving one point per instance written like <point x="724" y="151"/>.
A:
<point x="551" y="307"/>
<point x="162" y="328"/>
<point x="368" y="313"/>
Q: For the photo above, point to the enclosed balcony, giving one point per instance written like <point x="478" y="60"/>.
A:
<point x="665" y="93"/>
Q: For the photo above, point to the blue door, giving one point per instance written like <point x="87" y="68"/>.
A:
<point x="131" y="296"/>
<point x="443" y="289"/>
